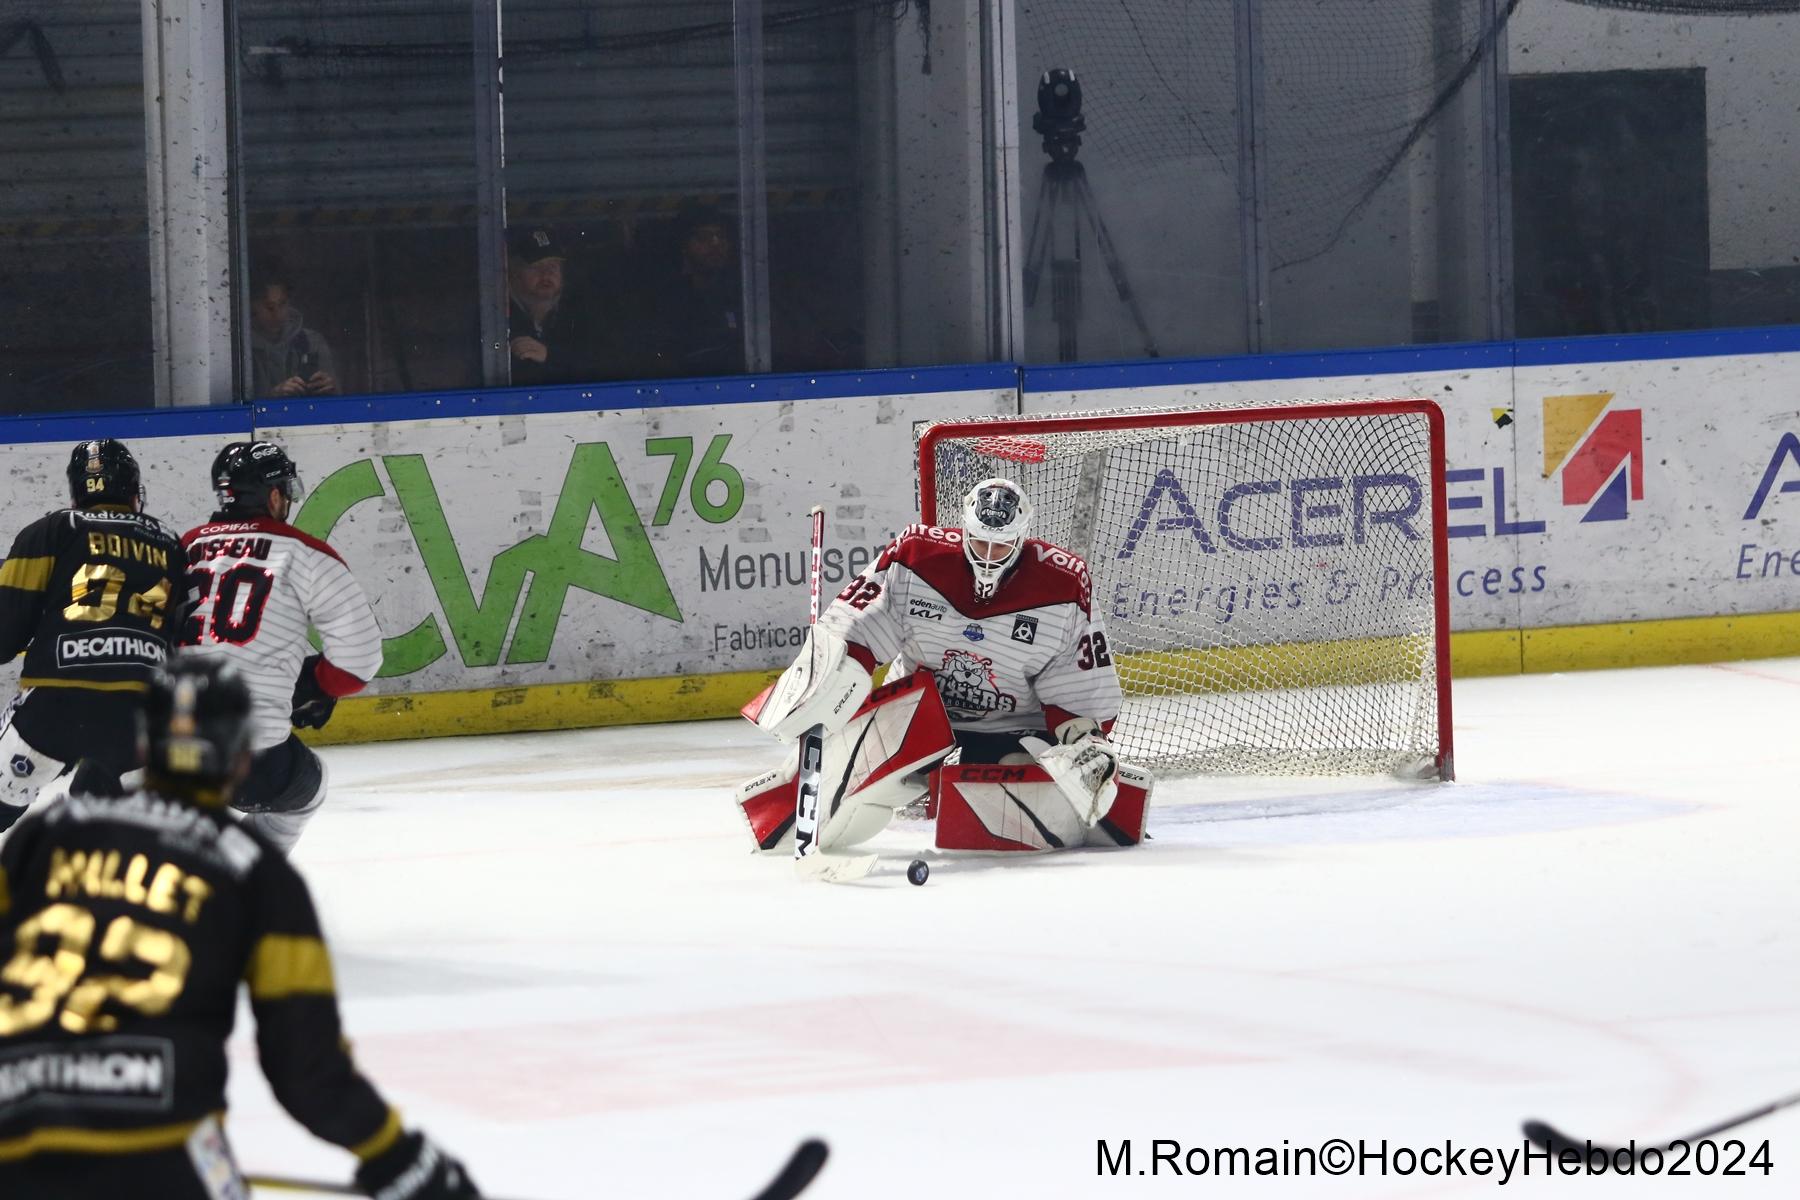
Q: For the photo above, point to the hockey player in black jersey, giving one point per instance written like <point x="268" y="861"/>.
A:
<point x="85" y="593"/>
<point x="130" y="922"/>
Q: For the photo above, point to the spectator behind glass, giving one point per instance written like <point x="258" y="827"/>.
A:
<point x="552" y="336"/>
<point x="694" y="311"/>
<point x="286" y="358"/>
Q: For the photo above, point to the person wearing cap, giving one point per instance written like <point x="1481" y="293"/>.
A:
<point x="550" y="341"/>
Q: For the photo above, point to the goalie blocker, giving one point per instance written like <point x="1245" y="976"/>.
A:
<point x="882" y="758"/>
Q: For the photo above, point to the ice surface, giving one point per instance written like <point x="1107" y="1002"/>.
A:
<point x="558" y="956"/>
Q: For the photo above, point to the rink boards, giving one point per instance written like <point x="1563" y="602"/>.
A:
<point x="626" y="553"/>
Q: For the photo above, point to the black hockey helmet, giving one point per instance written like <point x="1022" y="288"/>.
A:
<point x="195" y="726"/>
<point x="243" y="473"/>
<point x="103" y="472"/>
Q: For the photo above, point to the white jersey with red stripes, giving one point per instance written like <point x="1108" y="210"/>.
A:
<point x="1025" y="660"/>
<point x="254" y="588"/>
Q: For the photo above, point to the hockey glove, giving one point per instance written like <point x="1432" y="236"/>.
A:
<point x="312" y="703"/>
<point x="414" y="1168"/>
<point x="92" y="779"/>
<point x="1085" y="770"/>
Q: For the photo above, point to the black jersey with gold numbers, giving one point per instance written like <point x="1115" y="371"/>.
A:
<point x="85" y="593"/>
<point x="126" y="928"/>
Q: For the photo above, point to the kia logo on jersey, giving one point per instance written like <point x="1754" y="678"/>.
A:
<point x="925" y="610"/>
<point x="1024" y="630"/>
<point x="974" y="632"/>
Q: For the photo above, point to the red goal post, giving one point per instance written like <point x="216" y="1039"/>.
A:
<point x="1273" y="579"/>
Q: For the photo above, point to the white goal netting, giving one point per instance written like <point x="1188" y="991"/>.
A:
<point x="1269" y="578"/>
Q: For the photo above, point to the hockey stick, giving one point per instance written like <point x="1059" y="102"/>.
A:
<point x="836" y="868"/>
<point x="802" y="1167"/>
<point x="1540" y="1133"/>
<point x="812" y="742"/>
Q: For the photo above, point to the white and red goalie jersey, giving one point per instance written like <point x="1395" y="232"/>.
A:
<point x="1027" y="660"/>
<point x="254" y="587"/>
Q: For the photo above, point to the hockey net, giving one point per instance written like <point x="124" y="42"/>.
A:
<point x="1271" y="579"/>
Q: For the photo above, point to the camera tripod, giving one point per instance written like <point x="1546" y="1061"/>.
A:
<point x="1066" y="206"/>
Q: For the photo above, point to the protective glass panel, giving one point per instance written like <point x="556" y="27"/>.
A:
<point x="74" y="244"/>
<point x="920" y="227"/>
<point x="1653" y="165"/>
<point x="1370" y="154"/>
<point x="620" y="126"/>
<point x="623" y="147"/>
<point x="358" y="169"/>
<point x="814" y="181"/>
<point x="1130" y="186"/>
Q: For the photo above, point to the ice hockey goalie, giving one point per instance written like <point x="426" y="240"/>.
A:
<point x="1000" y="695"/>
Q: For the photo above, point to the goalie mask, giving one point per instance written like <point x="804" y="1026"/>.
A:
<point x="996" y="515"/>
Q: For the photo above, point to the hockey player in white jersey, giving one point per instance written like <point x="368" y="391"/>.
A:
<point x="1002" y="624"/>
<point x="255" y="584"/>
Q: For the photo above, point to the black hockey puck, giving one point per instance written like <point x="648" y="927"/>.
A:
<point x="917" y="872"/>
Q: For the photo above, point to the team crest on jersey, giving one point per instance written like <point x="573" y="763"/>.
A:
<point x="1024" y="630"/>
<point x="967" y="684"/>
<point x="974" y="632"/>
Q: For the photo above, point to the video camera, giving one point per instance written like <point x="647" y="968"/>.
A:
<point x="1059" y="116"/>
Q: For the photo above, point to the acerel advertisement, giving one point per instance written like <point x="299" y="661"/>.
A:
<point x="1585" y="493"/>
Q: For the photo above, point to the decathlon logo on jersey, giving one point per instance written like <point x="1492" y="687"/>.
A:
<point x="1600" y="453"/>
<point x="119" y="1073"/>
<point x="108" y="648"/>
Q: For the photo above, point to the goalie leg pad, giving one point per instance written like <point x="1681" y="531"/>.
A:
<point x="767" y="805"/>
<point x="1003" y="808"/>
<point x="901" y="728"/>
<point x="1123" y="824"/>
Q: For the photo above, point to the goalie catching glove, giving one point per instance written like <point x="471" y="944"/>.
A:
<point x="1083" y="764"/>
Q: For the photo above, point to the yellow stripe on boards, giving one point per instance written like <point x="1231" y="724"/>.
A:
<point x="710" y="697"/>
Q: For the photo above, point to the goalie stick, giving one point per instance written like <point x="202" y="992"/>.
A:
<point x="812" y="742"/>
<point x="1541" y="1133"/>
<point x="825" y="867"/>
<point x="802" y="1167"/>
